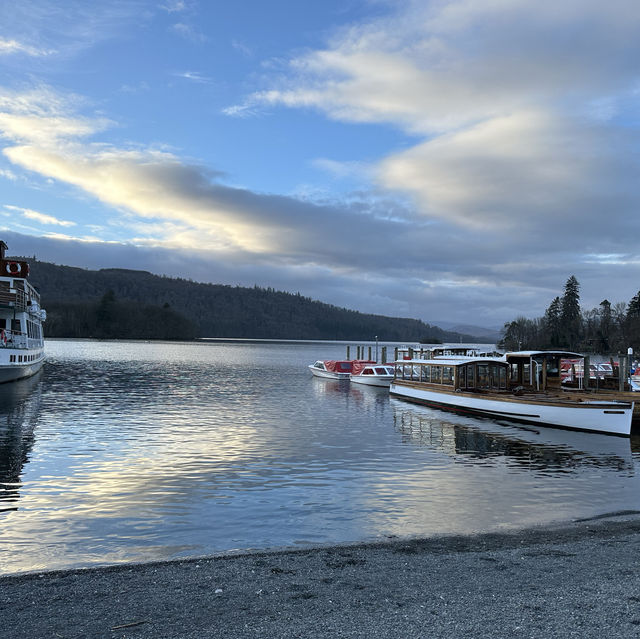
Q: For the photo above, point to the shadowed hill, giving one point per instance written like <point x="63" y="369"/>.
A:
<point x="216" y="310"/>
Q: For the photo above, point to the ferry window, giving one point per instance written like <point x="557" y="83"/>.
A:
<point x="406" y="373"/>
<point x="461" y="377"/>
<point x="483" y="376"/>
<point x="471" y="380"/>
<point x="447" y="374"/>
<point x="526" y="378"/>
<point x="502" y="372"/>
<point x="426" y="373"/>
<point x="436" y="374"/>
<point x="15" y="325"/>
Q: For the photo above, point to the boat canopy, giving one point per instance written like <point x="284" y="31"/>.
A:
<point x="360" y="364"/>
<point x="338" y="366"/>
<point x="514" y="355"/>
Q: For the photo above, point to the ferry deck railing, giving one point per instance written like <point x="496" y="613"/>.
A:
<point x="15" y="299"/>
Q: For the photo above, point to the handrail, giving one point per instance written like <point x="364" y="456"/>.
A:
<point x="14" y="298"/>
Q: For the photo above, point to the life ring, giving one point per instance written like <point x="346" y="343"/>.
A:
<point x="3" y="337"/>
<point x="13" y="268"/>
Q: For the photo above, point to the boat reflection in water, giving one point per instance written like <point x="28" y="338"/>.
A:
<point x="530" y="448"/>
<point x="19" y="409"/>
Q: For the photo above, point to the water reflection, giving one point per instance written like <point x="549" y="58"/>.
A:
<point x="154" y="451"/>
<point x="539" y="449"/>
<point x="19" y="405"/>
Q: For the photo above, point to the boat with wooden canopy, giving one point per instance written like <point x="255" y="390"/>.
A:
<point x="522" y="386"/>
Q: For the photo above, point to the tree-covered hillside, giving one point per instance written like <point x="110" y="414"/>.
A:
<point x="215" y="310"/>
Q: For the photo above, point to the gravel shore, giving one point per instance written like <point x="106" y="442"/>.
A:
<point x="580" y="579"/>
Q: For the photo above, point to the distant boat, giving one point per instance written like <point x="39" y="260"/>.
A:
<point x="334" y="369"/>
<point x="372" y="374"/>
<point x="21" y="318"/>
<point x="521" y="386"/>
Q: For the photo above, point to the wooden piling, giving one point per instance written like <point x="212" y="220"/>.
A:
<point x="586" y="373"/>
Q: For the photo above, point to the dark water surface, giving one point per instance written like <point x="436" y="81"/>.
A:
<point x="138" y="451"/>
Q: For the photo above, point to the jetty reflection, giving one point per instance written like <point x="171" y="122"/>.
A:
<point x="19" y="409"/>
<point x="538" y="449"/>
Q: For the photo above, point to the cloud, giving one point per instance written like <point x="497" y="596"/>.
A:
<point x="435" y="67"/>
<point x="42" y="218"/>
<point x="64" y="29"/>
<point x="189" y="32"/>
<point x="8" y="47"/>
<point x="194" y="76"/>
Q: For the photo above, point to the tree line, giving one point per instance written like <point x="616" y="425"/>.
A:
<point x="608" y="328"/>
<point x="137" y="304"/>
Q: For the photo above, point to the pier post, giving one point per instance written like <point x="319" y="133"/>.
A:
<point x="369" y="353"/>
<point x="384" y="355"/>
<point x="586" y="373"/>
<point x="395" y="354"/>
<point x="622" y="372"/>
<point x="410" y="353"/>
<point x="348" y="352"/>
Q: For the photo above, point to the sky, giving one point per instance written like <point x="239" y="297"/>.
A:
<point x="446" y="160"/>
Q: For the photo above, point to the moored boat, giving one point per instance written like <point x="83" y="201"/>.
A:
<point x="334" y="369"/>
<point x="372" y="374"/>
<point x="21" y="318"/>
<point x="521" y="387"/>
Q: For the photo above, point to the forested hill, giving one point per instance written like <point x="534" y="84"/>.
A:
<point x="77" y="300"/>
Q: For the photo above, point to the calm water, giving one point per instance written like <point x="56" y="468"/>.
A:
<point x="134" y="451"/>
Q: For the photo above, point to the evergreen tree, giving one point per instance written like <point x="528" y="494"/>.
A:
<point x="552" y="323"/>
<point x="604" y="331"/>
<point x="570" y="313"/>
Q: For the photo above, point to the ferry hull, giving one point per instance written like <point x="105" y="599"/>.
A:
<point x="613" y="418"/>
<point x="11" y="373"/>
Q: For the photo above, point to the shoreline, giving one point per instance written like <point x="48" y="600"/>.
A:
<point x="578" y="578"/>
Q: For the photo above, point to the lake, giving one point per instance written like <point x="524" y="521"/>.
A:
<point x="132" y="451"/>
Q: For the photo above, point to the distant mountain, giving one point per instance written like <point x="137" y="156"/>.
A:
<point x="489" y="334"/>
<point x="208" y="310"/>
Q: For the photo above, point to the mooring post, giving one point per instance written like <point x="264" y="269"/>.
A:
<point x="622" y="372"/>
<point x="369" y="352"/>
<point x="348" y="352"/>
<point x="586" y="373"/>
<point x="395" y="354"/>
<point x="384" y="355"/>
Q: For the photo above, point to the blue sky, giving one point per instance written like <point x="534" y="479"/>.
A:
<point x="452" y="160"/>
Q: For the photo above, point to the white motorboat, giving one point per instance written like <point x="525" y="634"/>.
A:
<point x="335" y="369"/>
<point x="522" y="387"/>
<point x="372" y="374"/>
<point x="21" y="318"/>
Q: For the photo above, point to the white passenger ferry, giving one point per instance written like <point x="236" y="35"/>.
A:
<point x="21" y="318"/>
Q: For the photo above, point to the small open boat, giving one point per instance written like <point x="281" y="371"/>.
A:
<point x="372" y="374"/>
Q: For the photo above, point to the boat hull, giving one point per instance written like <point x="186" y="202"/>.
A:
<point x="328" y="374"/>
<point x="372" y="380"/>
<point x="13" y="372"/>
<point x="594" y="416"/>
